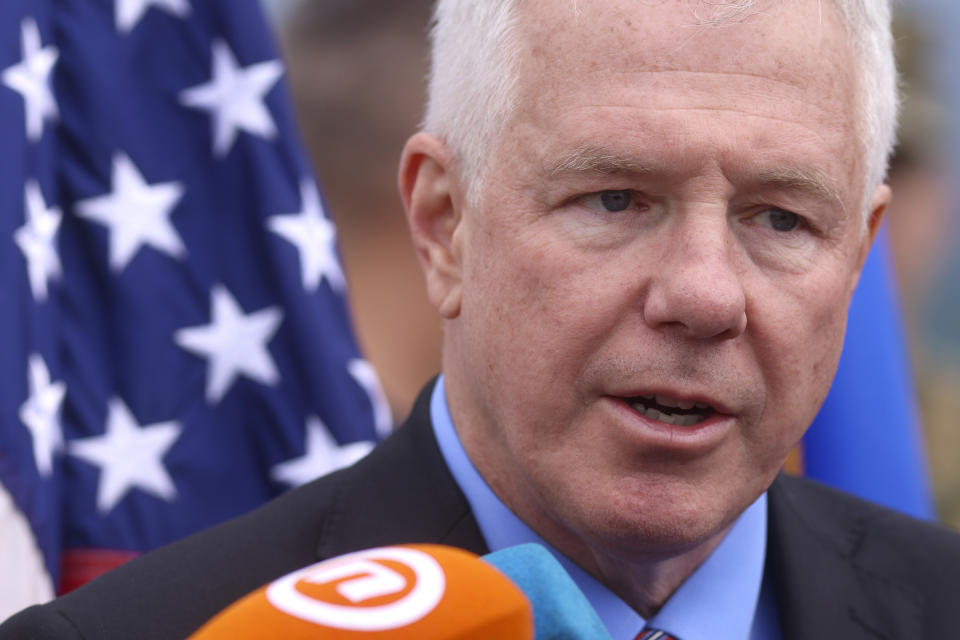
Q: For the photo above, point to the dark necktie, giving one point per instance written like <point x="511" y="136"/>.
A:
<point x="654" y="634"/>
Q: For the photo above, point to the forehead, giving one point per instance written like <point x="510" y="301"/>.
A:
<point x="663" y="60"/>
<point x="771" y="36"/>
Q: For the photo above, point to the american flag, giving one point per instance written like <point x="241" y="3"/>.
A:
<point x="175" y="346"/>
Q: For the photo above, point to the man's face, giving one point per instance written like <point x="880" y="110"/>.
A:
<point x="653" y="288"/>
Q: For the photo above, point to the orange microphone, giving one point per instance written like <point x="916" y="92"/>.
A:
<point x="404" y="592"/>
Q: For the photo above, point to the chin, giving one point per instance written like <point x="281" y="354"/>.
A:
<point x="668" y="531"/>
<point x="665" y="520"/>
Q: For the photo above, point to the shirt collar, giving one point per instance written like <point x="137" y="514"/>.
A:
<point x="721" y="594"/>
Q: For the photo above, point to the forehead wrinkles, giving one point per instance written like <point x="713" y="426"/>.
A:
<point x="631" y="49"/>
<point x="797" y="50"/>
<point x="794" y="42"/>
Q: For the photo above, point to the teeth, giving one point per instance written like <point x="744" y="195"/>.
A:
<point x="688" y="420"/>
<point x="678" y="420"/>
<point x="667" y="401"/>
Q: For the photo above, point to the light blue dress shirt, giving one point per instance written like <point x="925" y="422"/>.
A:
<point x="724" y="599"/>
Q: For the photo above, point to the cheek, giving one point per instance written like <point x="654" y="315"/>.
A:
<point x="802" y="348"/>
<point x="827" y="321"/>
<point x="525" y="287"/>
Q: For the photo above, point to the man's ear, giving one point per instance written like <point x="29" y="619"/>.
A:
<point x="427" y="184"/>
<point x="878" y="207"/>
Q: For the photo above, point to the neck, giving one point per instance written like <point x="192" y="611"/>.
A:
<point x="643" y="569"/>
<point x="645" y="583"/>
<point x="644" y="577"/>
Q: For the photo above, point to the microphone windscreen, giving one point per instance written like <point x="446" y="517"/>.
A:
<point x="560" y="610"/>
<point x="404" y="593"/>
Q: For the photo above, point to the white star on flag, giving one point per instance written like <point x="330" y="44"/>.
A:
<point x="235" y="97"/>
<point x="37" y="240"/>
<point x="315" y="238"/>
<point x="366" y="376"/>
<point x="130" y="456"/>
<point x="136" y="213"/>
<point x="31" y="78"/>
<point x="234" y="343"/>
<point x="41" y="414"/>
<point x="129" y="12"/>
<point x="322" y="456"/>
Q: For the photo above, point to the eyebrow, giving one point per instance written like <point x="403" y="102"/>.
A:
<point x="591" y="159"/>
<point x="812" y="181"/>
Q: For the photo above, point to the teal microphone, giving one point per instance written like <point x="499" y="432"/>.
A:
<point x="560" y="610"/>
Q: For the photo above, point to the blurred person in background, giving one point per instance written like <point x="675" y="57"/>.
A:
<point x="358" y="71"/>
<point x="923" y="229"/>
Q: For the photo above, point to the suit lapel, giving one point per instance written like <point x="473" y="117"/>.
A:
<point x="823" y="589"/>
<point x="402" y="493"/>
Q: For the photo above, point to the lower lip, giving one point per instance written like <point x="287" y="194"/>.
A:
<point x="693" y="438"/>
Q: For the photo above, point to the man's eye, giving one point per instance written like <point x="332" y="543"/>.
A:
<point x="778" y="220"/>
<point x="611" y="201"/>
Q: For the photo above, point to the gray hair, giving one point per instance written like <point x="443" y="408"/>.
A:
<point x="474" y="69"/>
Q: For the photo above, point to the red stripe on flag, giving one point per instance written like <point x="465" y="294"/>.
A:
<point x="80" y="566"/>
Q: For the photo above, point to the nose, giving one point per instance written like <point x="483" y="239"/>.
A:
<point x="698" y="290"/>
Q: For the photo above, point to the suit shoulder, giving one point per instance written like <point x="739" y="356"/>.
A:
<point x="401" y="493"/>
<point x="38" y="623"/>
<point x="880" y="539"/>
<point x="171" y="591"/>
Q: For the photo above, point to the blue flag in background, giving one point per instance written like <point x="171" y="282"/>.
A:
<point x="866" y="438"/>
<point x="175" y="347"/>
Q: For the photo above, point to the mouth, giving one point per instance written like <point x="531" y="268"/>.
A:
<point x="679" y="413"/>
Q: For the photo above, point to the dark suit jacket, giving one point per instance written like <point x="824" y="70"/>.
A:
<point x="842" y="568"/>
